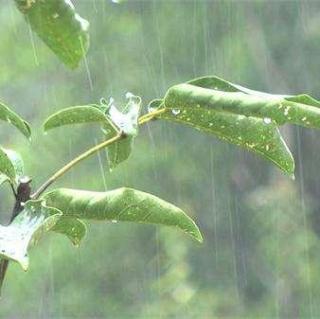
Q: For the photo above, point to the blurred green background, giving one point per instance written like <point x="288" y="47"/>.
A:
<point x="261" y="255"/>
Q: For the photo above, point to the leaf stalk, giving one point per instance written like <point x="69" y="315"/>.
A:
<point x="120" y="135"/>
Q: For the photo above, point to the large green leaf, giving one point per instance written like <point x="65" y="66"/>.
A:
<point x="25" y="230"/>
<point x="11" y="166"/>
<point x="239" y="115"/>
<point x="59" y="26"/>
<point x="7" y="115"/>
<point x="123" y="204"/>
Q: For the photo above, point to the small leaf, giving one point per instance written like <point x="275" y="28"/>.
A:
<point x="11" y="166"/>
<point x="25" y="230"/>
<point x="123" y="204"/>
<point x="59" y="27"/>
<point x="7" y="115"/>
<point x="126" y="121"/>
<point x="73" y="228"/>
<point x="259" y="135"/>
<point x="76" y="115"/>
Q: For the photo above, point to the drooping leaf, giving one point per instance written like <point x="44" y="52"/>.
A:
<point x="25" y="230"/>
<point x="59" y="26"/>
<point x="7" y="115"/>
<point x="126" y="121"/>
<point x="259" y="135"/>
<point x="111" y="119"/>
<point x="302" y="110"/>
<point x="239" y="115"/>
<point x="11" y="166"/>
<point x="76" y="115"/>
<point x="123" y="204"/>
<point x="73" y="228"/>
<point x="216" y="83"/>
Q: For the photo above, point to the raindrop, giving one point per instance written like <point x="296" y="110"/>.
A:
<point x="129" y="95"/>
<point x="267" y="120"/>
<point x="176" y="111"/>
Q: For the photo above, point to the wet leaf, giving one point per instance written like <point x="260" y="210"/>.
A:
<point x="111" y="119"/>
<point x="259" y="135"/>
<point x="73" y="228"/>
<point x="123" y="204"/>
<point x="126" y="121"/>
<point x="76" y="115"/>
<point x="7" y="115"/>
<point x="239" y="115"/>
<point x="25" y="230"/>
<point x="11" y="166"/>
<point x="302" y="110"/>
<point x="59" y="26"/>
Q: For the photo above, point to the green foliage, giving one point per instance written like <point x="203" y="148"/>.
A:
<point x="73" y="228"/>
<point x="59" y="26"/>
<point x="7" y="115"/>
<point x="122" y="204"/>
<point x="75" y="115"/>
<point x="111" y="120"/>
<point x="11" y="166"/>
<point x="127" y="122"/>
<point x="238" y="115"/>
<point x="25" y="230"/>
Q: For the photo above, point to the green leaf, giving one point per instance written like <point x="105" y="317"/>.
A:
<point x="76" y="115"/>
<point x="126" y="121"/>
<point x="259" y="135"/>
<point x="11" y="166"/>
<point x="25" y="230"/>
<point x="111" y="120"/>
<point x="73" y="228"/>
<point x="302" y="110"/>
<point x="239" y="115"/>
<point x="59" y="27"/>
<point x="216" y="83"/>
<point x="7" y="115"/>
<point x="123" y="204"/>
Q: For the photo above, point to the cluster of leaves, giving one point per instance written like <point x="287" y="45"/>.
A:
<point x="235" y="114"/>
<point x="231" y="112"/>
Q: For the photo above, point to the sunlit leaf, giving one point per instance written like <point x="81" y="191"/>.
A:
<point x="59" y="26"/>
<point x="7" y="115"/>
<point x="25" y="231"/>
<point x="123" y="204"/>
<point x="11" y="166"/>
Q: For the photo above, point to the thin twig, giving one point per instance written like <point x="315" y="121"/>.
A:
<point x="142" y="120"/>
